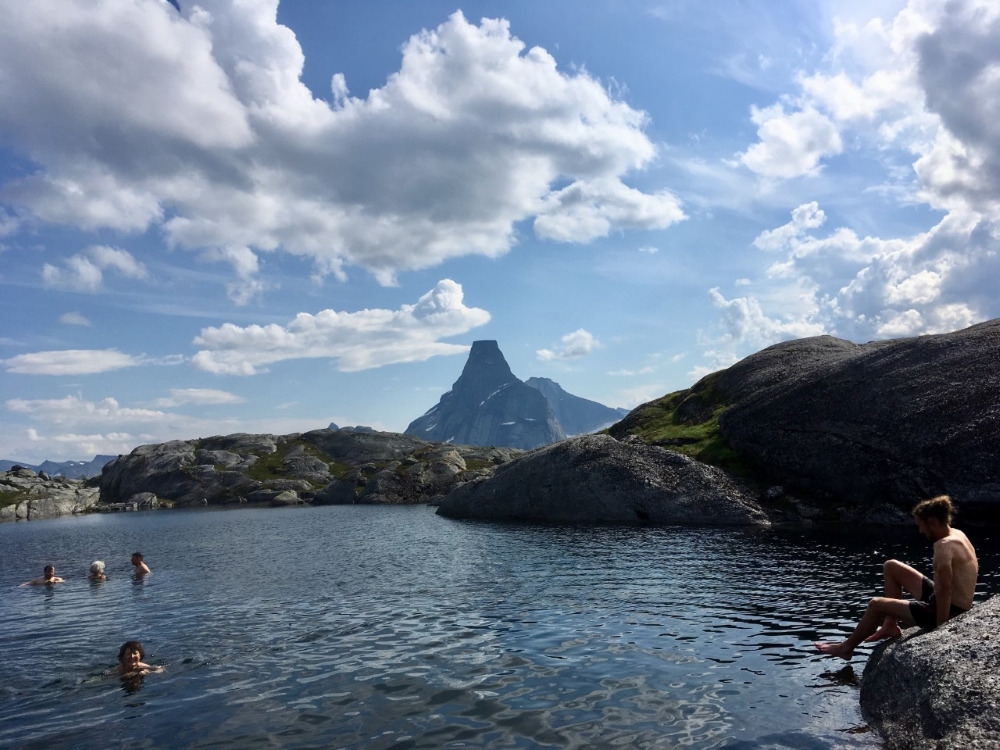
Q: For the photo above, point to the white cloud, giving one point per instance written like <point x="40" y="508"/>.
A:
<point x="640" y="394"/>
<point x="579" y="343"/>
<point x="625" y="373"/>
<point x="72" y="410"/>
<point x="791" y="144"/>
<point x="70" y="362"/>
<point x="84" y="272"/>
<point x="649" y="249"/>
<point x="77" y="428"/>
<point x="74" y="319"/>
<point x="808" y="216"/>
<point x="358" y="341"/>
<point x="199" y="123"/>
<point x="200" y="396"/>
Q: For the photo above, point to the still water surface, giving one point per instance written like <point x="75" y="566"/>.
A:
<point x="382" y="627"/>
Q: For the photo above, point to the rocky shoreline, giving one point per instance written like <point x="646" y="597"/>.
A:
<point x="938" y="690"/>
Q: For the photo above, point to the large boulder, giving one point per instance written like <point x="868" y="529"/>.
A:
<point x="596" y="478"/>
<point x="938" y="690"/>
<point x="321" y="466"/>
<point x="891" y="420"/>
<point x="29" y="496"/>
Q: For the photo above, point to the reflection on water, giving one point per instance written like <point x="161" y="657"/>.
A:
<point x="393" y="628"/>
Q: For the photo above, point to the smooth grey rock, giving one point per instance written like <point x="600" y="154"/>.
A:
<point x="596" y="478"/>
<point x="889" y="421"/>
<point x="288" y="497"/>
<point x="938" y="690"/>
<point x="226" y="459"/>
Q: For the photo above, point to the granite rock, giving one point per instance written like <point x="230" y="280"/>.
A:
<point x="596" y="478"/>
<point x="938" y="690"/>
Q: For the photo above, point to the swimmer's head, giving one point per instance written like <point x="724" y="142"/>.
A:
<point x="937" y="508"/>
<point x="136" y="556"/>
<point x="96" y="568"/>
<point x="130" y="647"/>
<point x="49" y="571"/>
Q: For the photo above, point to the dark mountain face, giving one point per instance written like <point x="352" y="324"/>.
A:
<point x="487" y="405"/>
<point x="576" y="415"/>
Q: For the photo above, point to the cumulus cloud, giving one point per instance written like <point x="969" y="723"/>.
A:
<point x="358" y="341"/>
<point x="198" y="123"/>
<point x="84" y="272"/>
<point x="74" y="319"/>
<point x="579" y="343"/>
<point x="199" y="396"/>
<point x="75" y="427"/>
<point x="791" y="144"/>
<point x="70" y="362"/>
<point x="920" y="85"/>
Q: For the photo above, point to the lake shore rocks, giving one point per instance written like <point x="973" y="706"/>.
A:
<point x="888" y="421"/>
<point x="27" y="496"/>
<point x="318" y="467"/>
<point x="937" y="690"/>
<point x="598" y="479"/>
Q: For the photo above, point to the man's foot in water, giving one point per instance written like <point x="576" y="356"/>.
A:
<point x="886" y="631"/>
<point x="836" y="649"/>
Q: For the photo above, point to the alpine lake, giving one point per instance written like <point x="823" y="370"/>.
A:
<point x="392" y="628"/>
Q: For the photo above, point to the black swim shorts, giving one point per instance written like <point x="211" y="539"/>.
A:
<point x="924" y="612"/>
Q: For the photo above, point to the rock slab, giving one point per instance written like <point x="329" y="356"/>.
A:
<point x="27" y="496"/>
<point x="597" y="479"/>
<point x="938" y="690"/>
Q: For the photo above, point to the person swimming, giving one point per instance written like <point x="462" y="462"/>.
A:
<point x="139" y="564"/>
<point x="130" y="661"/>
<point x="48" y="578"/>
<point x="97" y="571"/>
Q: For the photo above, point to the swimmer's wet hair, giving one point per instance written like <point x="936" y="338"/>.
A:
<point x="96" y="567"/>
<point x="131" y="646"/>
<point x="939" y="508"/>
<point x="137" y="554"/>
<point x="49" y="569"/>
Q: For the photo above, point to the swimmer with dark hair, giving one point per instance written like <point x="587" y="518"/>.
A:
<point x="48" y="578"/>
<point x="130" y="661"/>
<point x="139" y="564"/>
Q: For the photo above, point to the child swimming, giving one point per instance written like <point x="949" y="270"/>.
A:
<point x="130" y="661"/>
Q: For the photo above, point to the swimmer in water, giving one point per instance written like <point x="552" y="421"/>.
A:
<point x="97" y="571"/>
<point x="48" y="578"/>
<point x="141" y="568"/>
<point x="130" y="663"/>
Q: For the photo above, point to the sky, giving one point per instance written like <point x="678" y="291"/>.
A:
<point x="245" y="216"/>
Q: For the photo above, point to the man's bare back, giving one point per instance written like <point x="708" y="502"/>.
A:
<point x="955" y="558"/>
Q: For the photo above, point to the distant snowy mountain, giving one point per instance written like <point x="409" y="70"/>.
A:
<point x="487" y="405"/>
<point x="68" y="469"/>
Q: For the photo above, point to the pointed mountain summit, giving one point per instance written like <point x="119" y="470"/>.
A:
<point x="576" y="415"/>
<point x="487" y="405"/>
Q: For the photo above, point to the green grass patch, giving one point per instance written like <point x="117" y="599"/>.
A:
<point x="12" y="497"/>
<point x="478" y="464"/>
<point x="687" y="422"/>
<point x="338" y="469"/>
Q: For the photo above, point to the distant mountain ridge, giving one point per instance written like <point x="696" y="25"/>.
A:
<point x="488" y="405"/>
<point x="576" y="415"/>
<point x="68" y="469"/>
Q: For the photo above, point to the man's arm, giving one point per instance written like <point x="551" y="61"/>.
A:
<point x="943" y="576"/>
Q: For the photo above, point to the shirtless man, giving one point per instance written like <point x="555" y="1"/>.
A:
<point x="948" y="595"/>
<point x="141" y="568"/>
<point x="48" y="578"/>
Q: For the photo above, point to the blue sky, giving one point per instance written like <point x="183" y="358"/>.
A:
<point x="253" y="217"/>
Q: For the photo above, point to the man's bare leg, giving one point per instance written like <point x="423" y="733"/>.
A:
<point x="898" y="576"/>
<point x="879" y="608"/>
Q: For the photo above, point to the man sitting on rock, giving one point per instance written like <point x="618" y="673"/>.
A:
<point x="949" y="594"/>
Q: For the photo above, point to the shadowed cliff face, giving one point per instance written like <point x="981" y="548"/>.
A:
<point x="577" y="416"/>
<point x="487" y="405"/>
